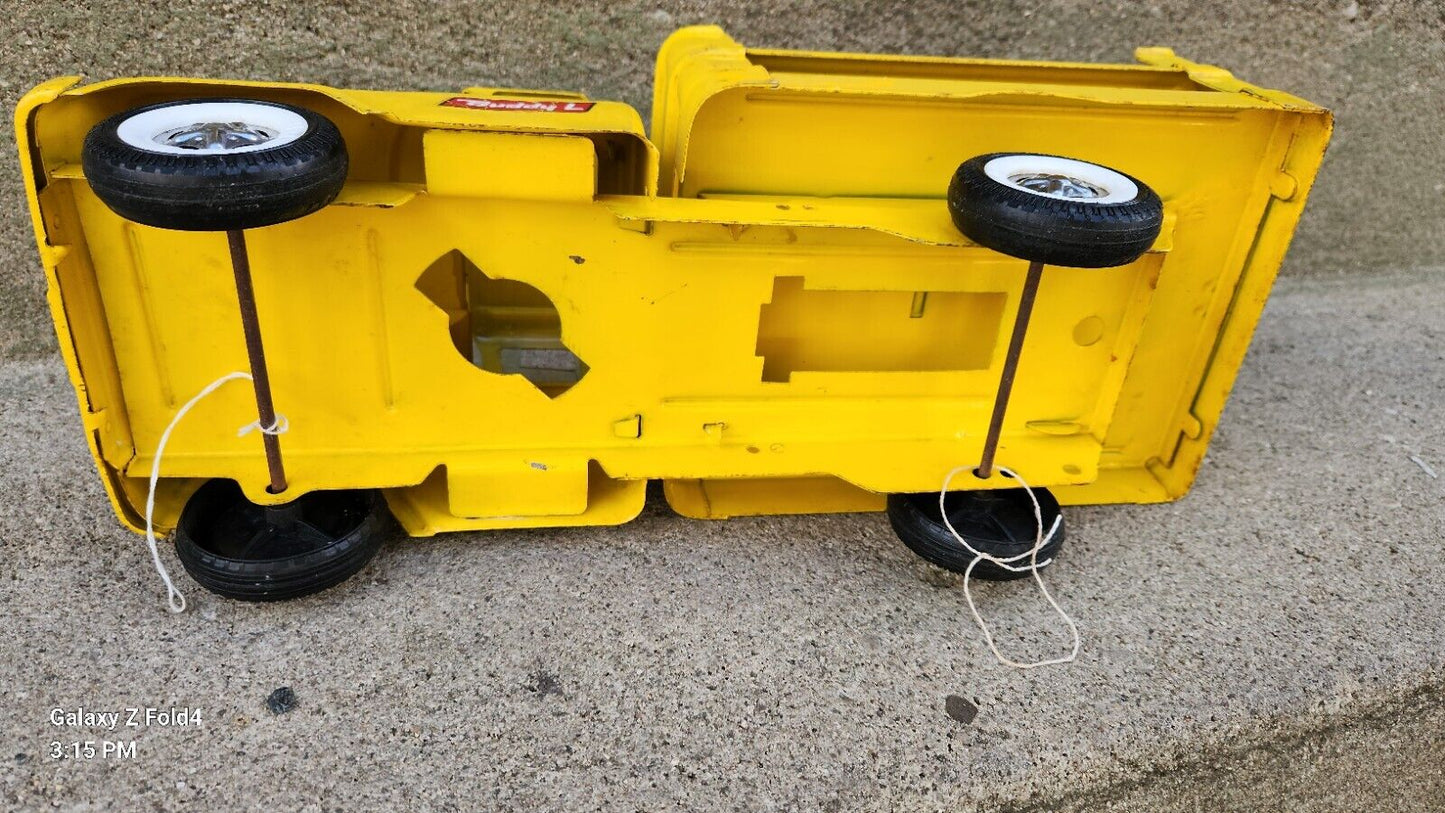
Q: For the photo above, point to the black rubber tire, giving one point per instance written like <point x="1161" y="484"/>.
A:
<point x="216" y="191"/>
<point x="997" y="522"/>
<point x="1032" y="227"/>
<point x="234" y="548"/>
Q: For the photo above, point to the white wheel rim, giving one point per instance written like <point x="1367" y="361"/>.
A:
<point x="1050" y="176"/>
<point x="209" y="128"/>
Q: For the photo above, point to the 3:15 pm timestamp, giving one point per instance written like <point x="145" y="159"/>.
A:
<point x="92" y="749"/>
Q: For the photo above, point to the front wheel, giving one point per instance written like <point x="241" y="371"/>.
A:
<point x="1054" y="210"/>
<point x="215" y="164"/>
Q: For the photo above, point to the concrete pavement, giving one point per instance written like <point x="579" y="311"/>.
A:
<point x="1273" y="641"/>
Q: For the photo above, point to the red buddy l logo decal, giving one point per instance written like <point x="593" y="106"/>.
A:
<point x="525" y="105"/>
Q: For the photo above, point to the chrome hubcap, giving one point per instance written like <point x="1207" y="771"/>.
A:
<point x="216" y="136"/>
<point x="1059" y="186"/>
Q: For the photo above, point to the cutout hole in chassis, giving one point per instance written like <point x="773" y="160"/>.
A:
<point x="806" y="330"/>
<point x="500" y="325"/>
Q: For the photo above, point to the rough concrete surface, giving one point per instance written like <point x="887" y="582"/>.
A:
<point x="1274" y="641"/>
<point x="1380" y="64"/>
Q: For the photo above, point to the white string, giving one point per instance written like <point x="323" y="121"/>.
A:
<point x="1006" y="563"/>
<point x="279" y="427"/>
<point x="175" y="600"/>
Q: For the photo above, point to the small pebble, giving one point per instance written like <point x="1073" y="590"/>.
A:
<point x="281" y="701"/>
<point x="960" y="708"/>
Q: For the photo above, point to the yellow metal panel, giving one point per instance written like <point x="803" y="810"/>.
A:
<point x="509" y="165"/>
<point x="524" y="488"/>
<point x="720" y="499"/>
<point x="424" y="509"/>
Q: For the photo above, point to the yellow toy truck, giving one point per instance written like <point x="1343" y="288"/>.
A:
<point x="825" y="283"/>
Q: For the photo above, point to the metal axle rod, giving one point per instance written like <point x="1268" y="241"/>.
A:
<point x="256" y="354"/>
<point x="1010" y="368"/>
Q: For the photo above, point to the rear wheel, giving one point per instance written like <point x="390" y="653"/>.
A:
<point x="241" y="550"/>
<point x="999" y="522"/>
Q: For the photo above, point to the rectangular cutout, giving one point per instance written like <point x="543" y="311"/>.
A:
<point x="803" y="330"/>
